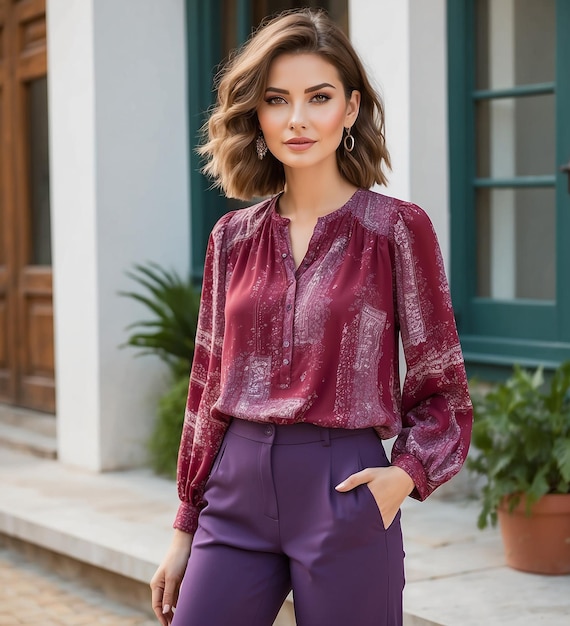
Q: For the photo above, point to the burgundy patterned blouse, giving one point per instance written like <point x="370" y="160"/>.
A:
<point x="319" y="343"/>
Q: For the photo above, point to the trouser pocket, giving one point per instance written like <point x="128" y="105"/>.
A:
<point x="356" y="508"/>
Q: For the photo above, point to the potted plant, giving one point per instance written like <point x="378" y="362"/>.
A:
<point x="522" y="435"/>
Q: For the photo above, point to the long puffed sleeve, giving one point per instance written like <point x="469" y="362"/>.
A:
<point x="436" y="408"/>
<point x="204" y="428"/>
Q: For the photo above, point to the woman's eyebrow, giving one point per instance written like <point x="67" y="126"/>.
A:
<point x="308" y="90"/>
<point x="320" y="86"/>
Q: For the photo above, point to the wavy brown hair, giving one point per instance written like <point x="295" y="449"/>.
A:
<point x="233" y="127"/>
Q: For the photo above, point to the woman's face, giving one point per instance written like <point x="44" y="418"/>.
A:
<point x="304" y="110"/>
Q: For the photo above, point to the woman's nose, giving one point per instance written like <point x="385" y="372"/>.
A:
<point x="297" y="119"/>
<point x="293" y="124"/>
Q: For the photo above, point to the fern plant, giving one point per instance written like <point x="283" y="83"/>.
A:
<point x="522" y="432"/>
<point x="173" y="304"/>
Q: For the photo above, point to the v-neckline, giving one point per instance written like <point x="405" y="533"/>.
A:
<point x="317" y="233"/>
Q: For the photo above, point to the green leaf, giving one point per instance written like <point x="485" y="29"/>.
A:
<point x="164" y="442"/>
<point x="173" y="304"/>
<point x="537" y="378"/>
<point x="561" y="452"/>
<point x="539" y="486"/>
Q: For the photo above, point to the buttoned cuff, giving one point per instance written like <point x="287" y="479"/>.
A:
<point x="187" y="518"/>
<point x="415" y="470"/>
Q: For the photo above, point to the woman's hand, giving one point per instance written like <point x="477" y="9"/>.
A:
<point x="388" y="485"/>
<point x="165" y="583"/>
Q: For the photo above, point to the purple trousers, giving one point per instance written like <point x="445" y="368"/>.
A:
<point x="274" y="522"/>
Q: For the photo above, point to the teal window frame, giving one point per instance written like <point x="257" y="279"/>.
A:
<point x="497" y="333"/>
<point x="204" y="53"/>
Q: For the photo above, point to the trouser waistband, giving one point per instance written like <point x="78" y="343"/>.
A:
<point x="289" y="434"/>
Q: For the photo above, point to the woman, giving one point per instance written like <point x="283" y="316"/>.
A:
<point x="283" y="479"/>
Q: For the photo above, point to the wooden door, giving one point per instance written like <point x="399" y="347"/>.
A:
<point x="26" y="312"/>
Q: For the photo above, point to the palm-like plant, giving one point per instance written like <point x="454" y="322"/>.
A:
<point x="174" y="303"/>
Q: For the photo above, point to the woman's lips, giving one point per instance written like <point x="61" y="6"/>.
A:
<point x="298" y="144"/>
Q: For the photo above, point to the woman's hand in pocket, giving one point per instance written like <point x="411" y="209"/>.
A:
<point x="388" y="485"/>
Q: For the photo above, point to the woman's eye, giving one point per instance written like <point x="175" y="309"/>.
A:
<point x="275" y="100"/>
<point x="320" y="97"/>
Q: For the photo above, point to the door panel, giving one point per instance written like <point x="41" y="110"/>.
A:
<point x="7" y="224"/>
<point x="36" y="355"/>
<point x="29" y="319"/>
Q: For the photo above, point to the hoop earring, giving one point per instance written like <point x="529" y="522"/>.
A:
<point x="348" y="141"/>
<point x="260" y="146"/>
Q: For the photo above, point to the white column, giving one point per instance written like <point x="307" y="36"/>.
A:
<point x="119" y="184"/>
<point x="429" y="129"/>
<point x="380" y="31"/>
<point x="403" y="44"/>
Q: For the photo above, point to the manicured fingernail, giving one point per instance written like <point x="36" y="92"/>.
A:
<point x="165" y="609"/>
<point x="340" y="486"/>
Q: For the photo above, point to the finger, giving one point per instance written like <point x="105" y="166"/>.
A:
<point x="160" y="617"/>
<point x="157" y="608"/>
<point x="157" y="605"/>
<point x="170" y="596"/>
<point x="359" y="478"/>
<point x="169" y="616"/>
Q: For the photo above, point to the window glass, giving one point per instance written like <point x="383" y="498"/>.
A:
<point x="516" y="231"/>
<point x="515" y="42"/>
<point x="516" y="137"/>
<point x="39" y="172"/>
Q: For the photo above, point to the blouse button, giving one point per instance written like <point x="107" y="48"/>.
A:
<point x="288" y="307"/>
<point x="285" y="361"/>
<point x="286" y="344"/>
<point x="284" y="255"/>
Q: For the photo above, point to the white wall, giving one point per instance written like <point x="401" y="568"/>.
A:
<point x="403" y="44"/>
<point x="119" y="181"/>
<point x="380" y="32"/>
<point x="429" y="116"/>
<point x="71" y="105"/>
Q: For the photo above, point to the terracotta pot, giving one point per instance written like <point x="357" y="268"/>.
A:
<point x="539" y="542"/>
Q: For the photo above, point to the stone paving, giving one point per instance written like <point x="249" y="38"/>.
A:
<point x="32" y="595"/>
